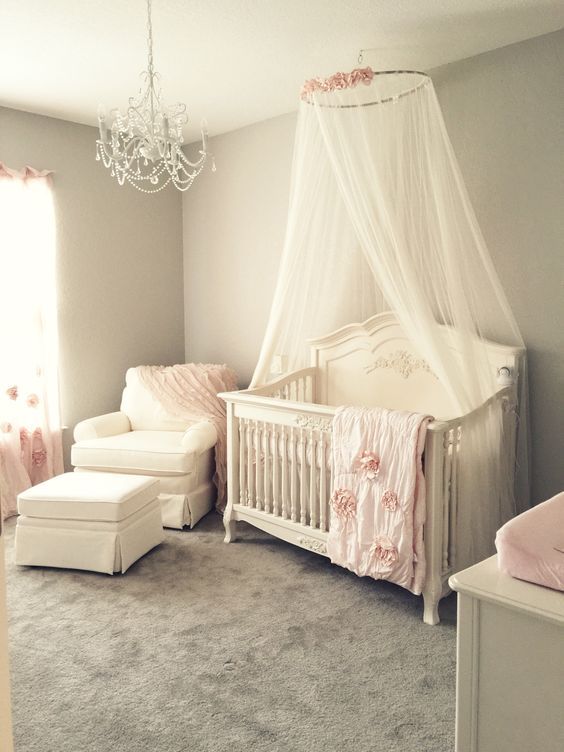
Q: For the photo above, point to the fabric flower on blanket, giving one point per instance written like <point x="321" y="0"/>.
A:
<point x="343" y="503"/>
<point x="369" y="465"/>
<point x="384" y="551"/>
<point x="390" y="501"/>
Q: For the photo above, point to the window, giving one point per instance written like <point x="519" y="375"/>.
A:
<point x="30" y="432"/>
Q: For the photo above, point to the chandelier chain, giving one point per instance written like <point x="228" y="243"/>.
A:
<point x="150" y="38"/>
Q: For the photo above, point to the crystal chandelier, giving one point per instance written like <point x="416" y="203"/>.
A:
<point x="144" y="146"/>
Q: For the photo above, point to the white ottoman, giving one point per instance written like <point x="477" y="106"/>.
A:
<point x="101" y="522"/>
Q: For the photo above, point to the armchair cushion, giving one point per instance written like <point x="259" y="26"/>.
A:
<point x="140" y="452"/>
<point x="145" y="413"/>
<point x="109" y="424"/>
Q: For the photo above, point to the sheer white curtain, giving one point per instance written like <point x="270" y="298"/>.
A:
<point x="30" y="431"/>
<point x="380" y="219"/>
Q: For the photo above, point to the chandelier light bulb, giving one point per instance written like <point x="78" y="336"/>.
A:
<point x="144" y="145"/>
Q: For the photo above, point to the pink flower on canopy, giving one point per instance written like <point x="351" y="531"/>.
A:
<point x="344" y="503"/>
<point x="338" y="81"/>
<point x="12" y="392"/>
<point x="384" y="550"/>
<point x="369" y="464"/>
<point x="313" y="84"/>
<point x="368" y="76"/>
<point x="38" y="457"/>
<point x="32" y="400"/>
<point x="5" y="427"/>
<point x="355" y="77"/>
<point x="24" y="436"/>
<point x="390" y="500"/>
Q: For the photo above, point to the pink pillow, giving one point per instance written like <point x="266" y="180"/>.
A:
<point x="531" y="546"/>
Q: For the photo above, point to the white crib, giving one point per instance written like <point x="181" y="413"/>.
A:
<point x="279" y="440"/>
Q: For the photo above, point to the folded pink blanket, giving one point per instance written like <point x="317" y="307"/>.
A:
<point x="531" y="545"/>
<point x="190" y="391"/>
<point x="378" y="500"/>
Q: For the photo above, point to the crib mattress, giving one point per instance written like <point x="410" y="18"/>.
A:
<point x="531" y="546"/>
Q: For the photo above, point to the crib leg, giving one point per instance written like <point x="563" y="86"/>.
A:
<point x="230" y="528"/>
<point x="431" y="607"/>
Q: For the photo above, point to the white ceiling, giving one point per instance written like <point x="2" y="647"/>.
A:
<point x="236" y="61"/>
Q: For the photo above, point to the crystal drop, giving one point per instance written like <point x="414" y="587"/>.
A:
<point x="154" y="180"/>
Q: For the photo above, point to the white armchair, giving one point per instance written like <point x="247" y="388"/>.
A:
<point x="143" y="439"/>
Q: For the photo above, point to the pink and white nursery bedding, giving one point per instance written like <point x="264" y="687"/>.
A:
<point x="378" y="501"/>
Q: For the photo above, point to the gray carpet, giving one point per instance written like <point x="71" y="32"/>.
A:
<point x="203" y="646"/>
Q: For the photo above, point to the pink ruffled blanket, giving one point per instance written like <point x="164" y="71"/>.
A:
<point x="189" y="391"/>
<point x="378" y="500"/>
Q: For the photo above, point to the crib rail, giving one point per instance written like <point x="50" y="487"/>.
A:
<point x="298" y="386"/>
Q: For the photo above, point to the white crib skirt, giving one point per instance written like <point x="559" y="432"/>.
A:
<point x="83" y="544"/>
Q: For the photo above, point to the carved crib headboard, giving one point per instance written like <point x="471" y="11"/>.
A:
<point x="374" y="364"/>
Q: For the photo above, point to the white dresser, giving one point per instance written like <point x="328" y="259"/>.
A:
<point x="510" y="663"/>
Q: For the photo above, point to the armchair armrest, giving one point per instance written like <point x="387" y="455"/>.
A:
<point x="199" y="437"/>
<point x="109" y="424"/>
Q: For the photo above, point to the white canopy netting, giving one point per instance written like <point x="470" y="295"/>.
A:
<point x="379" y="219"/>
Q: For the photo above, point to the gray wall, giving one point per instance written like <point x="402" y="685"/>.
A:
<point x="234" y="222"/>
<point x="504" y="112"/>
<point x="119" y="264"/>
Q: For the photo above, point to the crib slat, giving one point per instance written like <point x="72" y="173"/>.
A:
<point x="448" y="449"/>
<point x="303" y="480"/>
<point x="266" y="467"/>
<point x="258" y="465"/>
<point x="275" y="481"/>
<point x="293" y="475"/>
<point x="322" y="481"/>
<point x="312" y="444"/>
<point x="250" y="469"/>
<point x="284" y="472"/>
<point x="242" y="473"/>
